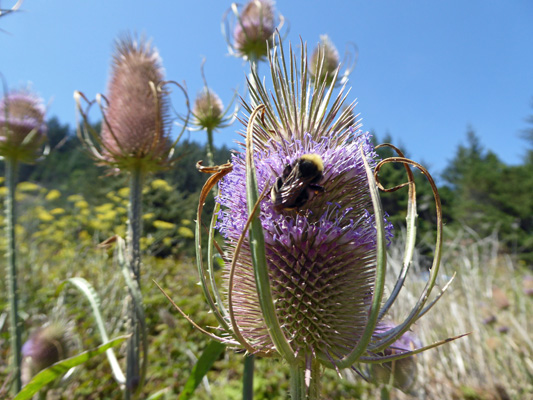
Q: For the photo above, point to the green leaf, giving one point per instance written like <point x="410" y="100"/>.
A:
<point x="58" y="369"/>
<point x="200" y="369"/>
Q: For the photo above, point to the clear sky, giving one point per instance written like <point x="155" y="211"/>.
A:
<point x="427" y="69"/>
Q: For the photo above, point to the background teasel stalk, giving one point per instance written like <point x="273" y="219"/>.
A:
<point x="135" y="140"/>
<point x="306" y="283"/>
<point x="22" y="135"/>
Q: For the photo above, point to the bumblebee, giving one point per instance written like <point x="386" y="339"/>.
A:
<point x="299" y="179"/>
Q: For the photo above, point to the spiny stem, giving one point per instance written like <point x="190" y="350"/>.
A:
<point x="134" y="261"/>
<point x="11" y="165"/>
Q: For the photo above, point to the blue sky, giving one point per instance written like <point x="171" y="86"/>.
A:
<point x="427" y="69"/>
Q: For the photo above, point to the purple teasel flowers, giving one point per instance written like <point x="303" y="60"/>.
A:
<point x="321" y="258"/>
<point x="305" y="234"/>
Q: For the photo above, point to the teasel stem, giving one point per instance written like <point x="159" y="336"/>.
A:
<point x="305" y="381"/>
<point x="248" y="377"/>
<point x="253" y="70"/>
<point x="134" y="261"/>
<point x="297" y="382"/>
<point x="210" y="147"/>
<point x="314" y="386"/>
<point x="135" y="220"/>
<point x="11" y="166"/>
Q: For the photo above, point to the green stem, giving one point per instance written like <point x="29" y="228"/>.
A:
<point x="314" y="387"/>
<point x="298" y="387"/>
<point x="210" y="158"/>
<point x="134" y="261"/>
<point x="297" y="382"/>
<point x="11" y="166"/>
<point x="248" y="377"/>
<point x="253" y="69"/>
<point x="135" y="222"/>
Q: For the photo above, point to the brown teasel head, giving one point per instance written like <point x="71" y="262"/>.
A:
<point x="136" y="125"/>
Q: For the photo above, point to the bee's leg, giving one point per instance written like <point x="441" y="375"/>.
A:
<point x="316" y="188"/>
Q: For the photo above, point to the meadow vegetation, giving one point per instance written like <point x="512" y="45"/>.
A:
<point x="61" y="224"/>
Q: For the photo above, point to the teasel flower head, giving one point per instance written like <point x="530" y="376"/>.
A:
<point x="22" y="126"/>
<point x="208" y="111"/>
<point x="136" y="124"/>
<point x="305" y="234"/>
<point x="248" y="30"/>
<point x="46" y="346"/>
<point x="400" y="373"/>
<point x="325" y="69"/>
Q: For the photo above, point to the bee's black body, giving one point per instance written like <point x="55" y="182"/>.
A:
<point x="291" y="190"/>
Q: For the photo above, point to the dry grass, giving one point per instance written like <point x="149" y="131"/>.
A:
<point x="489" y="298"/>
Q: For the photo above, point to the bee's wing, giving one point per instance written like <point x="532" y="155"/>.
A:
<point x="290" y="189"/>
